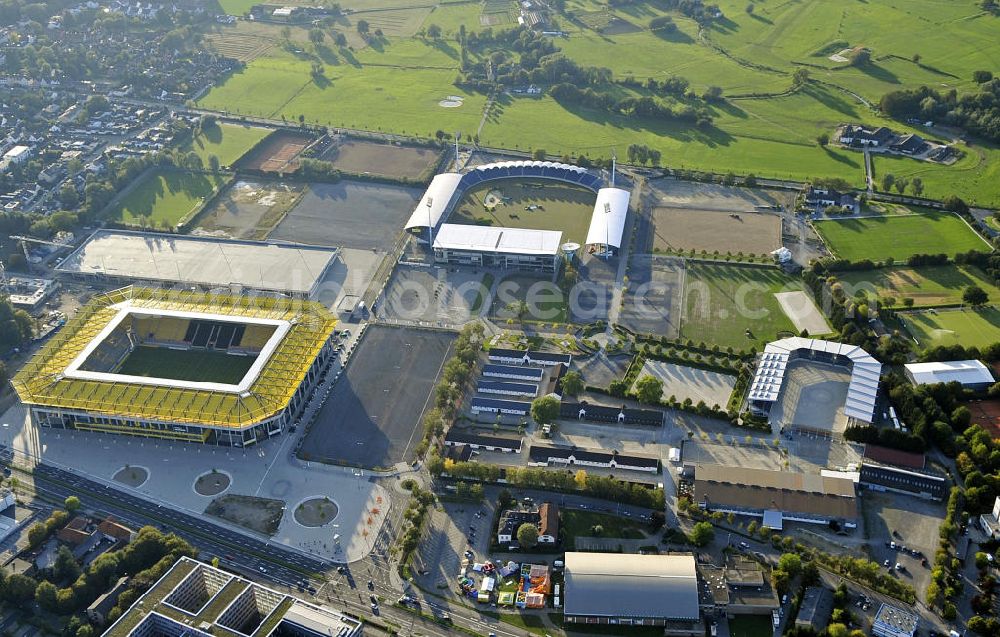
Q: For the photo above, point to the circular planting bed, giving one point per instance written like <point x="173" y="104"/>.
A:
<point x="131" y="476"/>
<point x="212" y="483"/>
<point x="315" y="512"/>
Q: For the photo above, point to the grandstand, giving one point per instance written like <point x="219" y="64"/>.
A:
<point x="188" y="365"/>
<point x="446" y="190"/>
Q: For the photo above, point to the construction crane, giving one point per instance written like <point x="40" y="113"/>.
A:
<point x="26" y="240"/>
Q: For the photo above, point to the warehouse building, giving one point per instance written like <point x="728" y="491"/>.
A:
<point x="506" y="389"/>
<point x="500" y="406"/>
<point x="506" y="356"/>
<point x="636" y="590"/>
<point x="603" y="413"/>
<point x="922" y="484"/>
<point x="972" y="374"/>
<point x="533" y="374"/>
<point x="485" y="442"/>
<point x="547" y="455"/>
<point x="776" y="496"/>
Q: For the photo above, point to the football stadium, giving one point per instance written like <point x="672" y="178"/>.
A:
<point x="517" y="245"/>
<point x="181" y="365"/>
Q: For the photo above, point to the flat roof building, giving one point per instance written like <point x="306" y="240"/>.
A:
<point x="641" y="590"/>
<point x="204" y="262"/>
<point x="775" y="496"/>
<point x="816" y="607"/>
<point x="922" y="484"/>
<point x="891" y="621"/>
<point x="497" y="247"/>
<point x="196" y="599"/>
<point x="972" y="374"/>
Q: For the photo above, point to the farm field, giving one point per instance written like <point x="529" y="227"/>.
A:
<point x="561" y="207"/>
<point x="899" y="237"/>
<point x="714" y="231"/>
<point x="722" y="302"/>
<point x="974" y="177"/>
<point x="360" y="156"/>
<point x="926" y="285"/>
<point x="932" y="328"/>
<point x="228" y="142"/>
<point x="766" y="126"/>
<point x="165" y="198"/>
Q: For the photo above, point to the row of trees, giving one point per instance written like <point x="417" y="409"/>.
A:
<point x="604" y="487"/>
<point x="978" y="113"/>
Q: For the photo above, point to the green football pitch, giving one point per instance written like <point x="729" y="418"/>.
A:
<point x="197" y="365"/>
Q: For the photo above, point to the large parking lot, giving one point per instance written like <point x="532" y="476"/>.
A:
<point x="372" y="417"/>
<point x="907" y="521"/>
<point x="351" y="214"/>
<point x="450" y="296"/>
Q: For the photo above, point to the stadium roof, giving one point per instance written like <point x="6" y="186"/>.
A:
<point x="434" y="203"/>
<point x="44" y="381"/>
<point x="499" y="240"/>
<point x="861" y="391"/>
<point x="638" y="586"/>
<point x="970" y="372"/>
<point x="203" y="261"/>
<point x="608" y="221"/>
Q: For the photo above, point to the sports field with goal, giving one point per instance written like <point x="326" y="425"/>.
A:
<point x="197" y="365"/>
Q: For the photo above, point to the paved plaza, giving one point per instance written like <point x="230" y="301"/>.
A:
<point x="267" y="470"/>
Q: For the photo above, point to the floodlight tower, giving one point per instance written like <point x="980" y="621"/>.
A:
<point x="614" y="162"/>
<point x="458" y="137"/>
<point x="607" y="223"/>
<point x="430" y="224"/>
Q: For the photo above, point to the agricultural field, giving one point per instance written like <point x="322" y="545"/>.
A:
<point x="165" y="198"/>
<point x="722" y="302"/>
<point x="974" y="177"/>
<point x="967" y="327"/>
<point x="714" y="231"/>
<point x="559" y="207"/>
<point x="228" y="142"/>
<point x="900" y="236"/>
<point x="926" y="285"/>
<point x="401" y="82"/>
<point x="249" y="209"/>
<point x="365" y="157"/>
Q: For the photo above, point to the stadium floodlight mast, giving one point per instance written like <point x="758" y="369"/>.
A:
<point x="607" y="228"/>
<point x="430" y="224"/>
<point x="458" y="137"/>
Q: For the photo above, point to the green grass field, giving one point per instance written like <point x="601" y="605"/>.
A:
<point x="165" y="198"/>
<point x="228" y="142"/>
<point x="396" y="84"/>
<point x="954" y="327"/>
<point x="900" y="237"/>
<point x="561" y="207"/>
<point x="721" y="302"/>
<point x="580" y="524"/>
<point x="202" y="366"/>
<point x="545" y="302"/>
<point x="926" y="285"/>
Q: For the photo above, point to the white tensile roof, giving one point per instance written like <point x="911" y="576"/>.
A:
<point x="970" y="372"/>
<point x="453" y="236"/>
<point x="439" y="193"/>
<point x="861" y="391"/>
<point x="531" y="164"/>
<point x="608" y="221"/>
